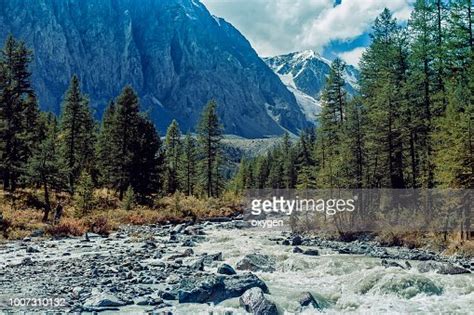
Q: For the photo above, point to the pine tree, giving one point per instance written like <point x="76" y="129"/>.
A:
<point x="330" y="131"/>
<point x="123" y="139"/>
<point x="188" y="162"/>
<point x="147" y="160"/>
<point x="134" y="148"/>
<point x="77" y="133"/>
<point x="105" y="147"/>
<point x="454" y="136"/>
<point x="18" y="112"/>
<point x="173" y="151"/>
<point x="45" y="167"/>
<point x="209" y="139"/>
<point x="383" y="77"/>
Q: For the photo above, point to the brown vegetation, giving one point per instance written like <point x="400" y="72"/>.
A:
<point x="22" y="213"/>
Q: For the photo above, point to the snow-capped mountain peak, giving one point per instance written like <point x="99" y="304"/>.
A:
<point x="305" y="74"/>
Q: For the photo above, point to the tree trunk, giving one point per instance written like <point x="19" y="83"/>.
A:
<point x="47" y="203"/>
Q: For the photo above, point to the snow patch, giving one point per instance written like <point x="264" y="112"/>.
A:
<point x="310" y="107"/>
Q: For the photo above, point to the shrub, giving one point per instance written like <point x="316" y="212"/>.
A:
<point x="67" y="227"/>
<point x="84" y="198"/>
<point x="128" y="199"/>
<point x="101" y="225"/>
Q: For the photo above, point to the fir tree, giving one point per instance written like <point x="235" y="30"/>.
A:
<point x="188" y="170"/>
<point x="77" y="133"/>
<point x="147" y="161"/>
<point x="210" y="136"/>
<point x="18" y="112"/>
<point x="44" y="167"/>
<point x="134" y="148"/>
<point x="383" y="77"/>
<point x="173" y="151"/>
<point x="105" y="147"/>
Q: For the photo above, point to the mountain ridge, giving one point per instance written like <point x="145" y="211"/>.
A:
<point x="174" y="53"/>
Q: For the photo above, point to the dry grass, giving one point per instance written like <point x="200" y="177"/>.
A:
<point x="21" y="218"/>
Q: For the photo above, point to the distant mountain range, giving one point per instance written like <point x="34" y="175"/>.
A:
<point x="174" y="53"/>
<point x="305" y="74"/>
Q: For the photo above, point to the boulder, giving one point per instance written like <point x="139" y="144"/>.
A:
<point x="208" y="259"/>
<point x="441" y="268"/>
<point x="226" y="269"/>
<point x="296" y="240"/>
<point x="297" y="250"/>
<point x="311" y="252"/>
<point x="387" y="264"/>
<point x="215" y="288"/>
<point x="188" y="243"/>
<point x="32" y="250"/>
<point x="178" y="229"/>
<point x="149" y="301"/>
<point x="256" y="262"/>
<point x="308" y="300"/>
<point x="103" y="301"/>
<point x="255" y="302"/>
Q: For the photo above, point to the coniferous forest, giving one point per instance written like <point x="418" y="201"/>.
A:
<point x="410" y="126"/>
<point x="74" y="154"/>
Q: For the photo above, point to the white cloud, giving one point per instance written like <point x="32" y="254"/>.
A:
<point x="349" y="20"/>
<point x="352" y="57"/>
<point x="281" y="26"/>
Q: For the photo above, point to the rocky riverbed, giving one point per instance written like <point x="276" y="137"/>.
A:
<point x="228" y="268"/>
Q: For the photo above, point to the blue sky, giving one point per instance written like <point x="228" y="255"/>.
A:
<point x="330" y="27"/>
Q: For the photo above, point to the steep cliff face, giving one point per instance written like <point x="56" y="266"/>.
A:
<point x="173" y="52"/>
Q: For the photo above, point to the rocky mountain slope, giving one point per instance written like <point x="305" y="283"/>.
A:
<point x="305" y="74"/>
<point x="174" y="53"/>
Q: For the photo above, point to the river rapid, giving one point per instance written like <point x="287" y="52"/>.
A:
<point x="343" y="284"/>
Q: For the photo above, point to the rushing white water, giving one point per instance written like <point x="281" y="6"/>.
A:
<point x="342" y="283"/>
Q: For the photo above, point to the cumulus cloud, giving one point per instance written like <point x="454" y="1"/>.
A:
<point x="281" y="26"/>
<point x="352" y="57"/>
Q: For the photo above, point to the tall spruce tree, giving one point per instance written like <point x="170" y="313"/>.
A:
<point x="134" y="148"/>
<point x="383" y="77"/>
<point x="105" y="147"/>
<point x="18" y="112"/>
<point x="77" y="138"/>
<point x="147" y="161"/>
<point x="45" y="167"/>
<point x="330" y="131"/>
<point x="209" y="139"/>
<point x="188" y="160"/>
<point x="173" y="151"/>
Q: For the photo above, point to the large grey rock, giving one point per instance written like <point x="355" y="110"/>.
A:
<point x="215" y="288"/>
<point x="441" y="268"/>
<point x="103" y="300"/>
<point x="308" y="300"/>
<point x="226" y="269"/>
<point x="388" y="264"/>
<point x="297" y="240"/>
<point x="255" y="302"/>
<point x="257" y="262"/>
<point x="174" y="53"/>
